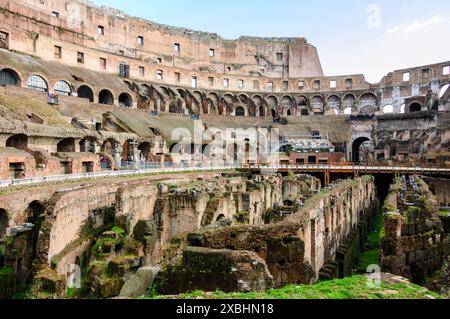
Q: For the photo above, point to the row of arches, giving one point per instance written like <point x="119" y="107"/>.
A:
<point x="180" y="101"/>
<point x="62" y="87"/>
<point x="68" y="145"/>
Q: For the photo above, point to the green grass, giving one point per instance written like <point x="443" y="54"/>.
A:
<point x="118" y="230"/>
<point x="355" y="287"/>
<point x="6" y="271"/>
<point x="443" y="213"/>
<point x="372" y="248"/>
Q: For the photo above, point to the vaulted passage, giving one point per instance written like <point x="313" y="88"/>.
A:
<point x="415" y="107"/>
<point x="9" y="77"/>
<point x="85" y="92"/>
<point x="36" y="216"/>
<point x="356" y="148"/>
<point x="67" y="145"/>
<point x="125" y="100"/>
<point x="19" y="141"/>
<point x="105" y="97"/>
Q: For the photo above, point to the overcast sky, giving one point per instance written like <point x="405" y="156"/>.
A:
<point x="352" y="36"/>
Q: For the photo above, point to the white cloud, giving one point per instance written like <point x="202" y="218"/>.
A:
<point x="416" y="25"/>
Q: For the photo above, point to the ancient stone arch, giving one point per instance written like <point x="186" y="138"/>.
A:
<point x="125" y="100"/>
<point x="240" y="111"/>
<point x="334" y="104"/>
<point x="66" y="145"/>
<point x="86" y="92"/>
<point x="9" y="76"/>
<point x="19" y="141"/>
<point x="318" y="105"/>
<point x="359" y="138"/>
<point x="287" y="105"/>
<point x="368" y="103"/>
<point x="63" y="87"/>
<point x="106" y="97"/>
<point x="37" y="82"/>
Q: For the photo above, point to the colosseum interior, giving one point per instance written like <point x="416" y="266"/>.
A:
<point x="139" y="159"/>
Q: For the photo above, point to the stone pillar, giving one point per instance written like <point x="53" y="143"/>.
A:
<point x="117" y="154"/>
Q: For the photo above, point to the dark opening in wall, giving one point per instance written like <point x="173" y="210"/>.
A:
<point x="4" y="40"/>
<point x="3" y="222"/>
<point x="67" y="145"/>
<point x="9" y="77"/>
<point x="415" y="107"/>
<point x="85" y="92"/>
<point x="17" y="170"/>
<point x="240" y="111"/>
<point x="80" y="57"/>
<point x="356" y="147"/>
<point x="87" y="167"/>
<point x="125" y="100"/>
<point x="106" y="97"/>
<point x="19" y="141"/>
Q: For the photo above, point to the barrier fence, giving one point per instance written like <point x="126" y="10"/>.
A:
<point x="130" y="169"/>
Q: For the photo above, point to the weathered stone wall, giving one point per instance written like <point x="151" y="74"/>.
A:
<point x="440" y="187"/>
<point x="415" y="242"/>
<point x="296" y="249"/>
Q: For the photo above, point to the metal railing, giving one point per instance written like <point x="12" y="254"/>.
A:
<point x="131" y="168"/>
<point x="353" y="167"/>
<point x="156" y="169"/>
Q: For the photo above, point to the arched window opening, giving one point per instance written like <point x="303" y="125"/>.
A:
<point x="105" y="97"/>
<point x="67" y="145"/>
<point x="125" y="100"/>
<point x="63" y="88"/>
<point x="85" y="92"/>
<point x="145" y="149"/>
<point x="19" y="141"/>
<point x="240" y="111"/>
<point x="37" y="83"/>
<point x="9" y="77"/>
<point x="360" y="145"/>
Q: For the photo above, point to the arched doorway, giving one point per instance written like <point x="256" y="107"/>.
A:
<point x="9" y="77"/>
<point x="3" y="222"/>
<point x="67" y="145"/>
<point x="35" y="215"/>
<point x="109" y="147"/>
<point x="19" y="141"/>
<point x="87" y="145"/>
<point x="125" y="100"/>
<point x="318" y="105"/>
<point x="240" y="111"/>
<point x="37" y="83"/>
<point x="145" y="148"/>
<point x="415" y="107"/>
<point x="106" y="97"/>
<point x="356" y="148"/>
<point x="303" y="105"/>
<point x="274" y="113"/>
<point x="128" y="151"/>
<point x="85" y="92"/>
